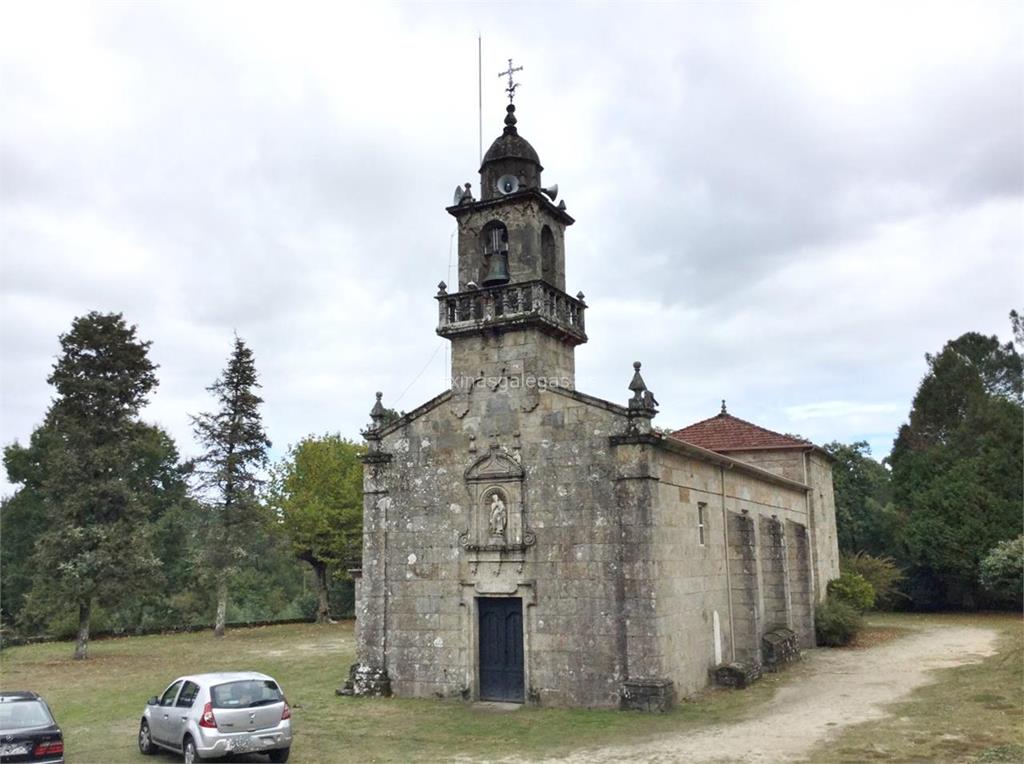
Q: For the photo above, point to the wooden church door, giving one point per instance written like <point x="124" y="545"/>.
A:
<point x="501" y="648"/>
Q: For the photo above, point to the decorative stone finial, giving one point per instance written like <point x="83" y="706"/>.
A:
<point x="642" y="402"/>
<point x="377" y="413"/>
<point x="637" y="383"/>
<point x="442" y="289"/>
<point x="510" y="121"/>
<point x="723" y="407"/>
<point x="580" y="295"/>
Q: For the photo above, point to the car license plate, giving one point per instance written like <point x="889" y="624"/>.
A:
<point x="241" y="744"/>
<point x="14" y="749"/>
<point x="252" y="743"/>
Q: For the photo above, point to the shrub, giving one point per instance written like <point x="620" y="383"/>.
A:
<point x="1002" y="570"/>
<point x="836" y="622"/>
<point x="854" y="590"/>
<point x="882" y="573"/>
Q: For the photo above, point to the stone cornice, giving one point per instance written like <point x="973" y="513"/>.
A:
<point x="564" y="217"/>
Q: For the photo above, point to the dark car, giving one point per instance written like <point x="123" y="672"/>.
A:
<point x="28" y="731"/>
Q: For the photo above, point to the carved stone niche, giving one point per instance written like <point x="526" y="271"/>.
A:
<point x="494" y="483"/>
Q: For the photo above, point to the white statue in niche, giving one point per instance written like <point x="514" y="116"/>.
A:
<point x="499" y="515"/>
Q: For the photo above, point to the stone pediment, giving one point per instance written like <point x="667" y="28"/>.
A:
<point x="495" y="466"/>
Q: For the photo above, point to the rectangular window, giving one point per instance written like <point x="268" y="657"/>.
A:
<point x="187" y="695"/>
<point x="245" y="693"/>
<point x="701" y="507"/>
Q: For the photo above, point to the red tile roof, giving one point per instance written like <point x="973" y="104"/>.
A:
<point x="728" y="433"/>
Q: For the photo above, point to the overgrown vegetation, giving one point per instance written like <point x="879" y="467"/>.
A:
<point x="836" y="622"/>
<point x="881" y="572"/>
<point x="854" y="590"/>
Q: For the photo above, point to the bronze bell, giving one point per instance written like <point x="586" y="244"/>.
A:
<point x="497" y="273"/>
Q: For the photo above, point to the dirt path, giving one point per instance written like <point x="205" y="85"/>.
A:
<point x="843" y="688"/>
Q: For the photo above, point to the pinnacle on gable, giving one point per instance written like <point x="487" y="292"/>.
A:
<point x="643" y="402"/>
<point x="377" y="413"/>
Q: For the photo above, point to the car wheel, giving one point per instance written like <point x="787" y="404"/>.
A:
<point x="146" y="747"/>
<point x="188" y="750"/>
<point x="279" y="755"/>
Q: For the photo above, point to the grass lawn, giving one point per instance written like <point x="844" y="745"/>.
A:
<point x="98" y="702"/>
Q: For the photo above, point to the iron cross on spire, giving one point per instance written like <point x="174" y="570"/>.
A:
<point x="511" y="89"/>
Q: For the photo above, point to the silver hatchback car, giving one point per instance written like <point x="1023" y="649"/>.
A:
<point x="211" y="715"/>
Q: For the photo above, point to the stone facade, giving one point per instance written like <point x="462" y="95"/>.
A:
<point x="603" y="563"/>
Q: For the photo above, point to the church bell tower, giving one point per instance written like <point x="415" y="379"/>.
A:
<point x="511" y="316"/>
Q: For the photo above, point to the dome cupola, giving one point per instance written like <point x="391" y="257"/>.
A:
<point x="511" y="164"/>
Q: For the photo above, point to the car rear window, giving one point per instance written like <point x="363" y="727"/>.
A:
<point x="21" y="714"/>
<point x="245" y="693"/>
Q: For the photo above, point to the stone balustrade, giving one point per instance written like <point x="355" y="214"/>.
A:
<point x="510" y="304"/>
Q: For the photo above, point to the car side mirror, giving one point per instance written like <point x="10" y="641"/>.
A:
<point x="154" y="701"/>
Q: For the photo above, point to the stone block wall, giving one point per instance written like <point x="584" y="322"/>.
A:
<point x="575" y="579"/>
<point x="814" y="468"/>
<point x="775" y="583"/>
<point x="801" y="592"/>
<point x="692" y="592"/>
<point x="787" y="463"/>
<point x="615" y="583"/>
<point x="745" y="576"/>
<point x="825" y="549"/>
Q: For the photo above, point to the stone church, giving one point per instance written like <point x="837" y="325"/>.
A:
<point x="527" y="542"/>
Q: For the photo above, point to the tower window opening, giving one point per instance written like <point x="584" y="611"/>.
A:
<point x="494" y="238"/>
<point x="547" y="254"/>
<point x="701" y="507"/>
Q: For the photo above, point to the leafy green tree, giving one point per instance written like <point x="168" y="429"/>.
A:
<point x="956" y="468"/>
<point x="85" y="464"/>
<point x="230" y="472"/>
<point x="865" y="519"/>
<point x="317" y="491"/>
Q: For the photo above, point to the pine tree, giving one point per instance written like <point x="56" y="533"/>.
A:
<point x="230" y="470"/>
<point x="83" y="465"/>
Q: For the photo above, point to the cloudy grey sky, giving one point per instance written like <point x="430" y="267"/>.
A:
<point x="781" y="204"/>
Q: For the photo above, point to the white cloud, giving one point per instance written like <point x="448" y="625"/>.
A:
<point x="785" y="205"/>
